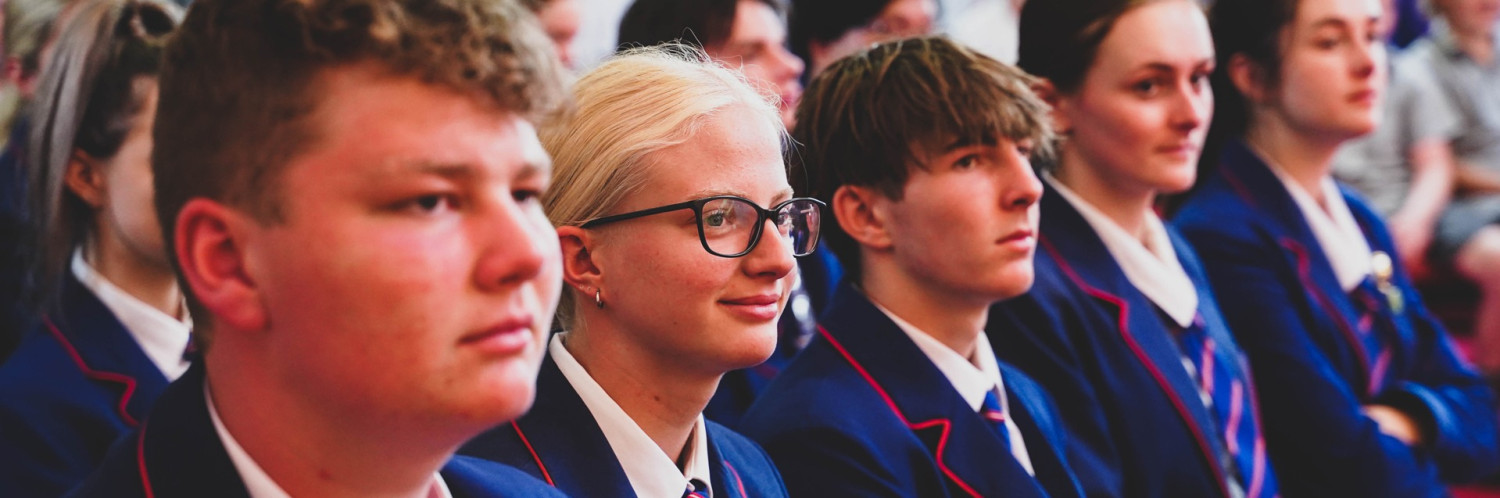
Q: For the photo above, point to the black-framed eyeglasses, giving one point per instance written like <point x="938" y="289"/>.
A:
<point x="730" y="226"/>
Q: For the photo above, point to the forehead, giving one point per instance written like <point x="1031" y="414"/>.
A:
<point x="1315" y="13"/>
<point x="369" y="123"/>
<point x="754" y="21"/>
<point x="1171" y="32"/>
<point x="733" y="151"/>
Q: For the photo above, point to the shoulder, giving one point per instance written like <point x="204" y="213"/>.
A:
<point x="820" y="391"/>
<point x="472" y="477"/>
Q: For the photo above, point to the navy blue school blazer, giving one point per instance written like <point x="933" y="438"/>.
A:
<point x="1297" y="326"/>
<point x="177" y="453"/>
<point x="1111" y="361"/>
<point x="863" y="412"/>
<point x="77" y="383"/>
<point x="559" y="442"/>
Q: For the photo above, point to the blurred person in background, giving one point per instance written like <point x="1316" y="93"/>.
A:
<point x="28" y="35"/>
<point x="113" y="327"/>
<point x="1360" y="390"/>
<point x="1405" y="167"/>
<point x="560" y="20"/>
<point x="823" y="31"/>
<point x="1461" y="52"/>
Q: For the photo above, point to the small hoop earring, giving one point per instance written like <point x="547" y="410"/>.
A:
<point x="598" y="298"/>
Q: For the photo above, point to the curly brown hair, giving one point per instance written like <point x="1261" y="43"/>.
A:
<point x="241" y="78"/>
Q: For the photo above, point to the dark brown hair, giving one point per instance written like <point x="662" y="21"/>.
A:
<point x="89" y="97"/>
<point x="701" y="23"/>
<point x="1060" y="39"/>
<point x="1252" y="29"/>
<point x="240" y="80"/>
<point x="870" y="118"/>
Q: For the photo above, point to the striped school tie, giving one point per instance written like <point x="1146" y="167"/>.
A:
<point x="696" y="489"/>
<point x="1231" y="403"/>
<point x="1372" y="328"/>
<point x="995" y="415"/>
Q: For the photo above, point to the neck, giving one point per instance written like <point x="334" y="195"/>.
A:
<point x="661" y="395"/>
<point x="1306" y="158"/>
<point x="310" y="448"/>
<point x="151" y="283"/>
<point x="954" y="319"/>
<point x="1123" y="204"/>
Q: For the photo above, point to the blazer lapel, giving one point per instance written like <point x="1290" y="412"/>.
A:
<point x="1072" y="242"/>
<point x="965" y="449"/>
<point x="180" y="452"/>
<point x="1041" y="447"/>
<point x="1313" y="270"/>
<point x="568" y="445"/>
<point x="105" y="351"/>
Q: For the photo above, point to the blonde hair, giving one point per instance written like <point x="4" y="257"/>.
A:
<point x="636" y="103"/>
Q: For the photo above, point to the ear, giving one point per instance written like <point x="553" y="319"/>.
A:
<point x="210" y="244"/>
<point x="84" y="176"/>
<point x="1055" y="100"/>
<point x="580" y="270"/>
<point x="1249" y="78"/>
<point x="862" y="212"/>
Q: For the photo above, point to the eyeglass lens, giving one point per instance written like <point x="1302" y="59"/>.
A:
<point x="729" y="225"/>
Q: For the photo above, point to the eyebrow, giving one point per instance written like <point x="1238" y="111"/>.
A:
<point x="959" y="143"/>
<point x="785" y="194"/>
<point x="464" y="171"/>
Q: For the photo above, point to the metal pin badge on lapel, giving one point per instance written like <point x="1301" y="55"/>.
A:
<point x="1383" y="269"/>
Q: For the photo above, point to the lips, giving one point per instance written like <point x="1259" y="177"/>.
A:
<point x="507" y="336"/>
<point x="1363" y="97"/>
<point x="756" y="308"/>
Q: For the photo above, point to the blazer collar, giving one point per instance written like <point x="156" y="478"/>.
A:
<point x="104" y="351"/>
<point x="964" y="447"/>
<point x="180" y="453"/>
<point x="1069" y="240"/>
<point x="571" y="451"/>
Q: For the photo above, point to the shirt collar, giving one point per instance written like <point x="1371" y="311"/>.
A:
<point x="971" y="378"/>
<point x="260" y="485"/>
<point x="1152" y="267"/>
<point x="162" y="337"/>
<point x="651" y="472"/>
<point x="1340" y="237"/>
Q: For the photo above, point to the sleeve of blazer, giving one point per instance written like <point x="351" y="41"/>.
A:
<point x="1452" y="403"/>
<point x="1038" y="340"/>
<point x="1320" y="441"/>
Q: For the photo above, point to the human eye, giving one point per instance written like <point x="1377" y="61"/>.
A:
<point x="1024" y="148"/>
<point x="717" y="216"/>
<point x="1147" y="88"/>
<point x="966" y="162"/>
<point x="427" y="204"/>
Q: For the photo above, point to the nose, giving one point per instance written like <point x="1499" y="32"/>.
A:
<point x="1019" y="185"/>
<point x="790" y="66"/>
<point x="772" y="255"/>
<point x="1367" y="58"/>
<point x="1191" y="107"/>
<point x="514" y="245"/>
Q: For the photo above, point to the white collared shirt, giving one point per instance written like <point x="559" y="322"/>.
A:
<point x="1152" y="267"/>
<point x="651" y="471"/>
<point x="162" y="337"/>
<point x="260" y="485"/>
<point x="971" y="377"/>
<point x="1342" y="240"/>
